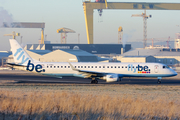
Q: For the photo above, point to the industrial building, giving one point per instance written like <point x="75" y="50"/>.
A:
<point x="142" y="59"/>
<point x="169" y="57"/>
<point x="90" y="48"/>
<point x="3" y="56"/>
<point x="165" y="56"/>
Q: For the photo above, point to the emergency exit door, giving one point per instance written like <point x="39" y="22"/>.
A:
<point x="156" y="68"/>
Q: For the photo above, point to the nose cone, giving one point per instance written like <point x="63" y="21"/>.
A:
<point x="174" y="73"/>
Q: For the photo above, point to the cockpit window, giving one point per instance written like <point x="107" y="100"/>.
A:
<point x="165" y="67"/>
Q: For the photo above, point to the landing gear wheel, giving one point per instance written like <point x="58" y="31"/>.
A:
<point x="159" y="81"/>
<point x="94" y="82"/>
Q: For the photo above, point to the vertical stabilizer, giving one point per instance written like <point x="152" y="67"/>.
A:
<point x="19" y="54"/>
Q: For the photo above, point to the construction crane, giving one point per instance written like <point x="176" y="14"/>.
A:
<point x="120" y="35"/>
<point x="145" y="17"/>
<point x="14" y="34"/>
<point x="63" y="32"/>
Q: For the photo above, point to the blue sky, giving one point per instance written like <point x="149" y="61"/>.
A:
<point x="69" y="13"/>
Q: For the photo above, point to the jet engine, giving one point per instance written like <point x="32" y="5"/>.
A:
<point x="111" y="78"/>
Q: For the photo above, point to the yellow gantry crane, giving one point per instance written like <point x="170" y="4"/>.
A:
<point x="89" y="6"/>
<point x="26" y="25"/>
<point x="101" y="1"/>
<point x="63" y="32"/>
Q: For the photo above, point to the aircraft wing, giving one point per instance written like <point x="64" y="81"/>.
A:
<point x="87" y="73"/>
<point x="91" y="73"/>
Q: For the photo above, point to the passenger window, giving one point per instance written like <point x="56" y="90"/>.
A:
<point x="61" y="66"/>
<point x="57" y="66"/>
<point x="122" y="67"/>
<point x="99" y="66"/>
<point x="91" y="66"/>
<point x="111" y="66"/>
<point x="129" y="67"/>
<point x="74" y="66"/>
<point x="118" y="66"/>
<point x="47" y="66"/>
<point x="78" y="66"/>
<point x="81" y="66"/>
<point x="88" y="66"/>
<point x="126" y="67"/>
<point x="95" y="66"/>
<point x="84" y="66"/>
<point x="114" y="66"/>
<point x="103" y="66"/>
<point x="133" y="67"/>
<point x="164" y="67"/>
<point x="64" y="66"/>
<point x="50" y="66"/>
<point x="107" y="66"/>
<point x="54" y="66"/>
<point x="68" y="66"/>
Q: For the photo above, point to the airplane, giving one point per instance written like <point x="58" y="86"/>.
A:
<point x="111" y="72"/>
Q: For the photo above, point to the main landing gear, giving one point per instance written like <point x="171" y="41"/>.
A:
<point x="94" y="81"/>
<point x="159" y="80"/>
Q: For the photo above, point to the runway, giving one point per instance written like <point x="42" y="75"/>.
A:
<point x="26" y="77"/>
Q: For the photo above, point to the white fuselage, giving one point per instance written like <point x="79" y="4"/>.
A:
<point x="122" y="69"/>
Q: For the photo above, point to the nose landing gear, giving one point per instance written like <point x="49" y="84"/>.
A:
<point x="159" y="80"/>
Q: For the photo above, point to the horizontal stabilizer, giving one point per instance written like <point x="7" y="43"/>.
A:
<point x="13" y="64"/>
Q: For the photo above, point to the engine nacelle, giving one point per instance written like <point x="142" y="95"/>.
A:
<point x="111" y="78"/>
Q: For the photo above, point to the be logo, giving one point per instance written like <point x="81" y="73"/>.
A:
<point x="31" y="67"/>
<point x="143" y="68"/>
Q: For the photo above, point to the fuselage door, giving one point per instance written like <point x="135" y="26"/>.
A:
<point x="156" y="68"/>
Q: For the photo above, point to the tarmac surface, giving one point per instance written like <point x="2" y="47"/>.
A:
<point x="27" y="77"/>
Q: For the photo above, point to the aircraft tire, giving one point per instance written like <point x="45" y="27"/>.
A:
<point x="94" y="82"/>
<point x="159" y="82"/>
